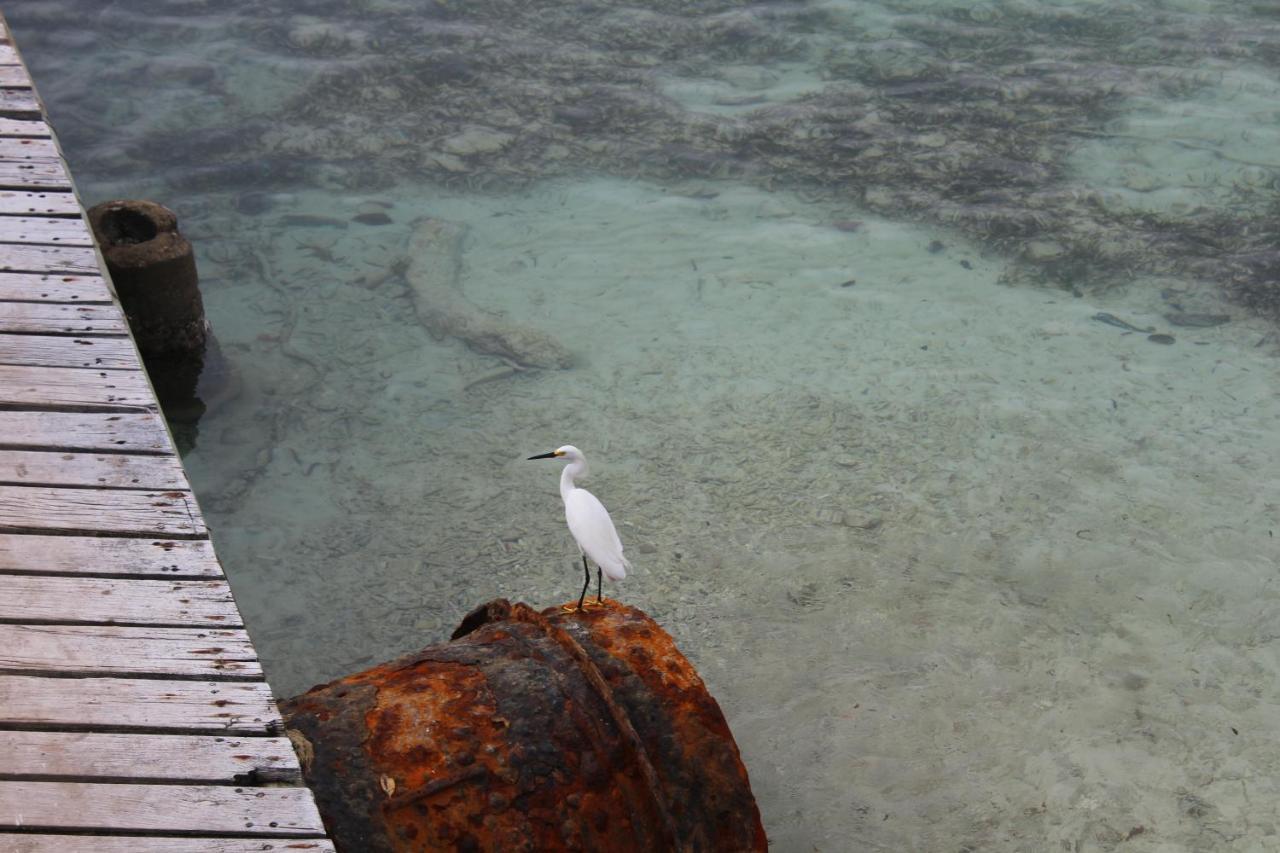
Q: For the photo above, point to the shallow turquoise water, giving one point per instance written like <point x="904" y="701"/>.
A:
<point x="966" y="567"/>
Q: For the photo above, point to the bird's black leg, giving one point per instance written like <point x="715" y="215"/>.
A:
<point x="599" y="586"/>
<point x="586" y="585"/>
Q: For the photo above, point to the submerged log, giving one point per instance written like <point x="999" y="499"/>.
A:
<point x="529" y="731"/>
<point x="434" y="275"/>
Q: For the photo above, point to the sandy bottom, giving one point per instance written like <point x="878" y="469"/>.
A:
<point x="966" y="568"/>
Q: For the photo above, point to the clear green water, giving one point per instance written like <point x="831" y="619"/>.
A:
<point x="967" y="568"/>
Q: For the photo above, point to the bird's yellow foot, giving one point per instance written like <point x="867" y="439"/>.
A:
<point x="600" y="602"/>
<point x="571" y="607"/>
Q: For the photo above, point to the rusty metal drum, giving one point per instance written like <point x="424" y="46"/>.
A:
<point x="529" y="731"/>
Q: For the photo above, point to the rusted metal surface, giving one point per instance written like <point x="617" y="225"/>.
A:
<point x="529" y="731"/>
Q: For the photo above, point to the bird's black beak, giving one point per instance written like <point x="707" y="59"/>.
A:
<point x="551" y="455"/>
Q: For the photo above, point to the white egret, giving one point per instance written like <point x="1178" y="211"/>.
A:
<point x="589" y="523"/>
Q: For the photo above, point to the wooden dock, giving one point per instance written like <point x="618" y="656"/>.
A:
<point x="133" y="711"/>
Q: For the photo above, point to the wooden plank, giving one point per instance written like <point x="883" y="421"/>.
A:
<point x="35" y="843"/>
<point x="8" y="56"/>
<point x="32" y="598"/>
<point x="37" y="203"/>
<point x="67" y="387"/>
<point x="66" y="351"/>
<point x="154" y="758"/>
<point x="105" y="555"/>
<point x="114" y="650"/>
<point x="34" y="509"/>
<point x="139" y="704"/>
<point x="14" y="75"/>
<point x="53" y="318"/>
<point x="104" y="470"/>
<point x="159" y="808"/>
<point x="36" y="127"/>
<point x="27" y="148"/>
<point x="31" y="174"/>
<point x="60" y="259"/>
<point x="43" y="229"/>
<point x="140" y="432"/>
<point x="38" y="287"/>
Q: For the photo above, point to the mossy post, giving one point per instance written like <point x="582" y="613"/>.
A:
<point x="154" y="272"/>
<point x="153" y="269"/>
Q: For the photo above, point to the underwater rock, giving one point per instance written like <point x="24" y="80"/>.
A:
<point x="477" y="140"/>
<point x="434" y="275"/>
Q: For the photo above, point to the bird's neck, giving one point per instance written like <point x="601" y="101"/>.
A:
<point x="572" y="470"/>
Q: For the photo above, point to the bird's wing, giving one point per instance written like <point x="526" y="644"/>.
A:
<point x="590" y="524"/>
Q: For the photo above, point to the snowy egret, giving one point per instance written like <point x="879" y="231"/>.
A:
<point x="589" y="523"/>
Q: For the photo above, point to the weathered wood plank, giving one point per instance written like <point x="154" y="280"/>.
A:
<point x="35" y="843"/>
<point x="34" y="509"/>
<point x="32" y="598"/>
<point x="159" y="808"/>
<point x="27" y="148"/>
<point x="105" y="555"/>
<point x="36" y="127"/>
<point x="42" y="287"/>
<point x="67" y="387"/>
<point x="116" y="353"/>
<point x="154" y="758"/>
<point x="140" y="432"/>
<point x="19" y="257"/>
<point x="105" y="470"/>
<point x="37" y="203"/>
<point x="31" y="174"/>
<point x="8" y="56"/>
<point x="43" y="229"/>
<point x="52" y="318"/>
<point x="133" y="704"/>
<point x="14" y="75"/>
<point x="114" y="650"/>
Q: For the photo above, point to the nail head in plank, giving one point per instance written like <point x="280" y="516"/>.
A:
<point x="35" y="843"/>
<point x="107" y="470"/>
<point x="41" y="287"/>
<point x="36" y="203"/>
<point x="113" y="650"/>
<point x="155" y="758"/>
<point x="65" y="387"/>
<point x="159" y="808"/>
<point x="72" y="260"/>
<point x="125" y="432"/>
<point x="103" y="353"/>
<point x="30" y="174"/>
<point x="43" y="229"/>
<point x="105" y="555"/>
<point x="51" y="318"/>
<point x="35" y="598"/>
<point x="34" y="509"/>
<point x="132" y="704"/>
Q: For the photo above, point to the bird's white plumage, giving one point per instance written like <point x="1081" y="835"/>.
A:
<point x="590" y="524"/>
<point x="588" y="520"/>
